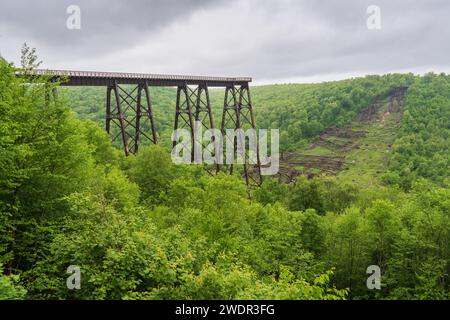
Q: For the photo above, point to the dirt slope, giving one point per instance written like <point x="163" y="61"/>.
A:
<point x="358" y="149"/>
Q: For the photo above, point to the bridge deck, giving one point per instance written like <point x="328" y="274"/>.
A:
<point x="92" y="78"/>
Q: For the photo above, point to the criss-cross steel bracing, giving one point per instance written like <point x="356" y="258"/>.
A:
<point x="238" y="114"/>
<point x="129" y="114"/>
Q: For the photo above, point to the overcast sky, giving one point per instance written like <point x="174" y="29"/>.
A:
<point x="269" y="40"/>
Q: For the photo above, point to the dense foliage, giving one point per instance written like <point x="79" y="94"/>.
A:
<point x="422" y="148"/>
<point x="144" y="228"/>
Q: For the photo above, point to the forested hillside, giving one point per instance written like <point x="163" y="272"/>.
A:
<point x="423" y="145"/>
<point x="144" y="228"/>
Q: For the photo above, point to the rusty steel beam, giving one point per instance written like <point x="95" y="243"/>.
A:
<point x="91" y="78"/>
<point x="184" y="117"/>
<point x="144" y="115"/>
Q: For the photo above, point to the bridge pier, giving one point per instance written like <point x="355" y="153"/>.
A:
<point x="132" y="115"/>
<point x="238" y="113"/>
<point x="193" y="107"/>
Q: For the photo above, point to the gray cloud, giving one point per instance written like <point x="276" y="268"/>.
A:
<point x="271" y="40"/>
<point x="106" y="25"/>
